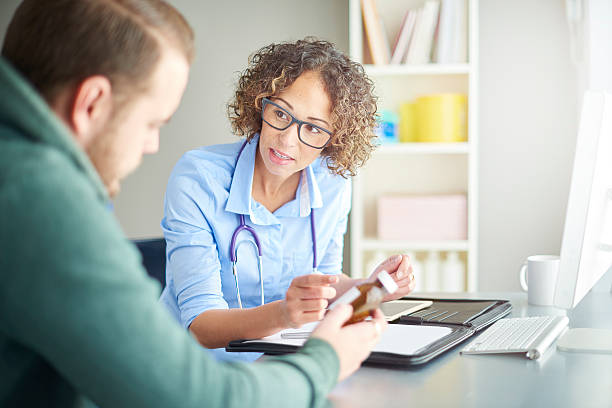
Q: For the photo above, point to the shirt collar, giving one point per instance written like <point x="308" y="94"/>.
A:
<point x="239" y="200"/>
<point x="308" y="195"/>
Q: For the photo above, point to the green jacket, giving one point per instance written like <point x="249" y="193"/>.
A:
<point x="80" y="321"/>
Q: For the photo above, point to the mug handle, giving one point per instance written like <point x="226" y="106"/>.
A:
<point x="523" y="276"/>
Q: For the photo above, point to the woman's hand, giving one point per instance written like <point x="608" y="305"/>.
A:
<point x="307" y="298"/>
<point x="352" y="343"/>
<point x="398" y="266"/>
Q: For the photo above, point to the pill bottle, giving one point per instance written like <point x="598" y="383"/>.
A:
<point x="367" y="296"/>
<point x="432" y="272"/>
<point x="452" y="273"/>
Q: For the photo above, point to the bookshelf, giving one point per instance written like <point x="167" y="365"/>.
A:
<point x="424" y="69"/>
<point x="416" y="168"/>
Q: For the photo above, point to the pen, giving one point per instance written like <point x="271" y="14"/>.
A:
<point x="296" y="335"/>
<point x="411" y="319"/>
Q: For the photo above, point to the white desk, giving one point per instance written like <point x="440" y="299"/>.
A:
<point x="557" y="379"/>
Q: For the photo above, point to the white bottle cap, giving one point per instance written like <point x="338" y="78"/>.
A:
<point x="348" y="296"/>
<point x="387" y="281"/>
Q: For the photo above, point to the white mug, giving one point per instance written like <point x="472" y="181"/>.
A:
<point x="538" y="277"/>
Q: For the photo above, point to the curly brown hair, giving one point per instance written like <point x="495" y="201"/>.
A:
<point x="276" y="66"/>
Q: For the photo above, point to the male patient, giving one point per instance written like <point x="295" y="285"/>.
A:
<point x="85" y="86"/>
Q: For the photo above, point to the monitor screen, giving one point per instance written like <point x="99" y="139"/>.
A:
<point x="586" y="249"/>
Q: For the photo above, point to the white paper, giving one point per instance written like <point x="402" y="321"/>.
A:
<point x="397" y="338"/>
<point x="409" y="339"/>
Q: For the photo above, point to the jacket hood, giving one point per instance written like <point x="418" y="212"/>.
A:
<point x="23" y="109"/>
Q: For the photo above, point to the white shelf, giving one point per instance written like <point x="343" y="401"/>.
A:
<point x="372" y="244"/>
<point x="423" y="148"/>
<point x="416" y="168"/>
<point x="427" y="69"/>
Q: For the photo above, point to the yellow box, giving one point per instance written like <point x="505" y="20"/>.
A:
<point x="441" y="118"/>
<point x="407" y="122"/>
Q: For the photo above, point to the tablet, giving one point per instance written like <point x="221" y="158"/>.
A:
<point x="394" y="309"/>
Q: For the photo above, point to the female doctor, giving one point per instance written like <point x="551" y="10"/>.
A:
<point x="255" y="229"/>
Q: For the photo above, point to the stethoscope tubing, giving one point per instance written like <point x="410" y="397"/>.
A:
<point x="244" y="227"/>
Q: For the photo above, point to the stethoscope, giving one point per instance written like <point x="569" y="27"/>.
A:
<point x="243" y="227"/>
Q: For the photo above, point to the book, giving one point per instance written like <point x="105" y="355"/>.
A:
<point x="375" y="33"/>
<point x="399" y="33"/>
<point x="446" y="31"/>
<point x="402" y="40"/>
<point x="424" y="34"/>
<point x="451" y="42"/>
<point x="460" y="49"/>
<point x="432" y="10"/>
<point x="416" y="37"/>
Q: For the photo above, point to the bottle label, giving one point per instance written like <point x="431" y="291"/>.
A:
<point x="350" y="295"/>
<point x="374" y="297"/>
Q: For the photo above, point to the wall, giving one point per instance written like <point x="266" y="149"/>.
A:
<point x="597" y="58"/>
<point x="226" y="35"/>
<point x="527" y="134"/>
<point x="527" y="130"/>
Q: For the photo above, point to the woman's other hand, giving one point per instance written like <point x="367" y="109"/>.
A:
<point x="398" y="266"/>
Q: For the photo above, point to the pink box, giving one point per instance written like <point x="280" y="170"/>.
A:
<point x="423" y="217"/>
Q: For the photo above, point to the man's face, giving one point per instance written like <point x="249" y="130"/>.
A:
<point x="134" y="130"/>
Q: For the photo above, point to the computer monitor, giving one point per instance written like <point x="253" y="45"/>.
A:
<point x="586" y="249"/>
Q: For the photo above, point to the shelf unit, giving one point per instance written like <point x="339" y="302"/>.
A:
<point x="423" y="148"/>
<point x="416" y="168"/>
<point x="426" y="69"/>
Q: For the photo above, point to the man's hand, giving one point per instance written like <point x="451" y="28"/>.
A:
<point x="352" y="343"/>
<point x="307" y="298"/>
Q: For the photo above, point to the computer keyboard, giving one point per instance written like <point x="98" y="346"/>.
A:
<point x="529" y="335"/>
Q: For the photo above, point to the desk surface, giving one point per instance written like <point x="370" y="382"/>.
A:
<point x="557" y="379"/>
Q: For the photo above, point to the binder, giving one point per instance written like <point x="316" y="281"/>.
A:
<point x="463" y="318"/>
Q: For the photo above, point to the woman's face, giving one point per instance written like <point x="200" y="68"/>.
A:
<point x="281" y="152"/>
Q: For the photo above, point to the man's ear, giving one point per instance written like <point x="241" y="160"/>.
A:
<point x="91" y="108"/>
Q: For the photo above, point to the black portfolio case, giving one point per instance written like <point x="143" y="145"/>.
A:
<point x="464" y="317"/>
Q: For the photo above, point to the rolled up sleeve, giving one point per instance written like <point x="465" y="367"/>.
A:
<point x="193" y="264"/>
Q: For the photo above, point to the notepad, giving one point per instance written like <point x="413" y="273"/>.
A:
<point x="397" y="308"/>
<point x="392" y="310"/>
<point x="396" y="339"/>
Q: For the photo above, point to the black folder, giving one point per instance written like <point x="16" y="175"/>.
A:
<point x="464" y="317"/>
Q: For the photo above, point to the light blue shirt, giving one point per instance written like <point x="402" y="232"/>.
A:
<point x="207" y="191"/>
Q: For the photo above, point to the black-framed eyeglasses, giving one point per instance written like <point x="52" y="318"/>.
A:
<point x="280" y="119"/>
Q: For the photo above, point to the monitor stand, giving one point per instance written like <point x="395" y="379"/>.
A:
<point x="582" y="340"/>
